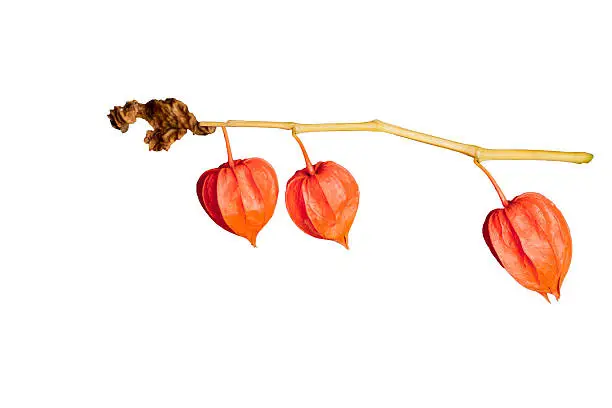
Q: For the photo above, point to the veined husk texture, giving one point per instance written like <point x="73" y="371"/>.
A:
<point x="324" y="203"/>
<point x="531" y="240"/>
<point x="240" y="198"/>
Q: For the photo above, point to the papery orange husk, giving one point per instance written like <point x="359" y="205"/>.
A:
<point x="240" y="199"/>
<point x="530" y="238"/>
<point x="322" y="201"/>
<point x="240" y="195"/>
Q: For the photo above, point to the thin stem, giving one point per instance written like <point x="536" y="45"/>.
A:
<point x="309" y="166"/>
<point x="500" y="193"/>
<point x="479" y="153"/>
<point x="230" y="159"/>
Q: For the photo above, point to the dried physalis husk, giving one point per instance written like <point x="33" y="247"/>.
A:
<point x="530" y="238"/>
<point x="240" y="195"/>
<point x="169" y="118"/>
<point x="322" y="200"/>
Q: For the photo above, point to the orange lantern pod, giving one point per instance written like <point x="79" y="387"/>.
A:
<point x="240" y="195"/>
<point x="322" y="200"/>
<point x="530" y="238"/>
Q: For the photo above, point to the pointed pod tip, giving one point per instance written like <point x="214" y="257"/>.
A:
<point x="343" y="241"/>
<point x="252" y="238"/>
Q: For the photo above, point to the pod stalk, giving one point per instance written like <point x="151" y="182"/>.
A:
<point x="309" y="166"/>
<point x="500" y="193"/>
<point x="230" y="159"/>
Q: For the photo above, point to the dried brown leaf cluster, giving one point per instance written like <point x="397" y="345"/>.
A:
<point x="170" y="119"/>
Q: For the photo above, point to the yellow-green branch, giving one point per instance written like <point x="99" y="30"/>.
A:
<point x="479" y="154"/>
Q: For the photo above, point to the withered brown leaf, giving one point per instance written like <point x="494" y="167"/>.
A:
<point x="170" y="119"/>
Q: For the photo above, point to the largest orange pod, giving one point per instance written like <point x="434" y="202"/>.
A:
<point x="322" y="200"/>
<point x="530" y="239"/>
<point x="240" y="195"/>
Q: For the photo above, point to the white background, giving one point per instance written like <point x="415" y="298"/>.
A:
<point x="116" y="289"/>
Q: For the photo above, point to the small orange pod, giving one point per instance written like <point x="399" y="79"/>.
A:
<point x="530" y="238"/>
<point x="240" y="195"/>
<point x="322" y="200"/>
